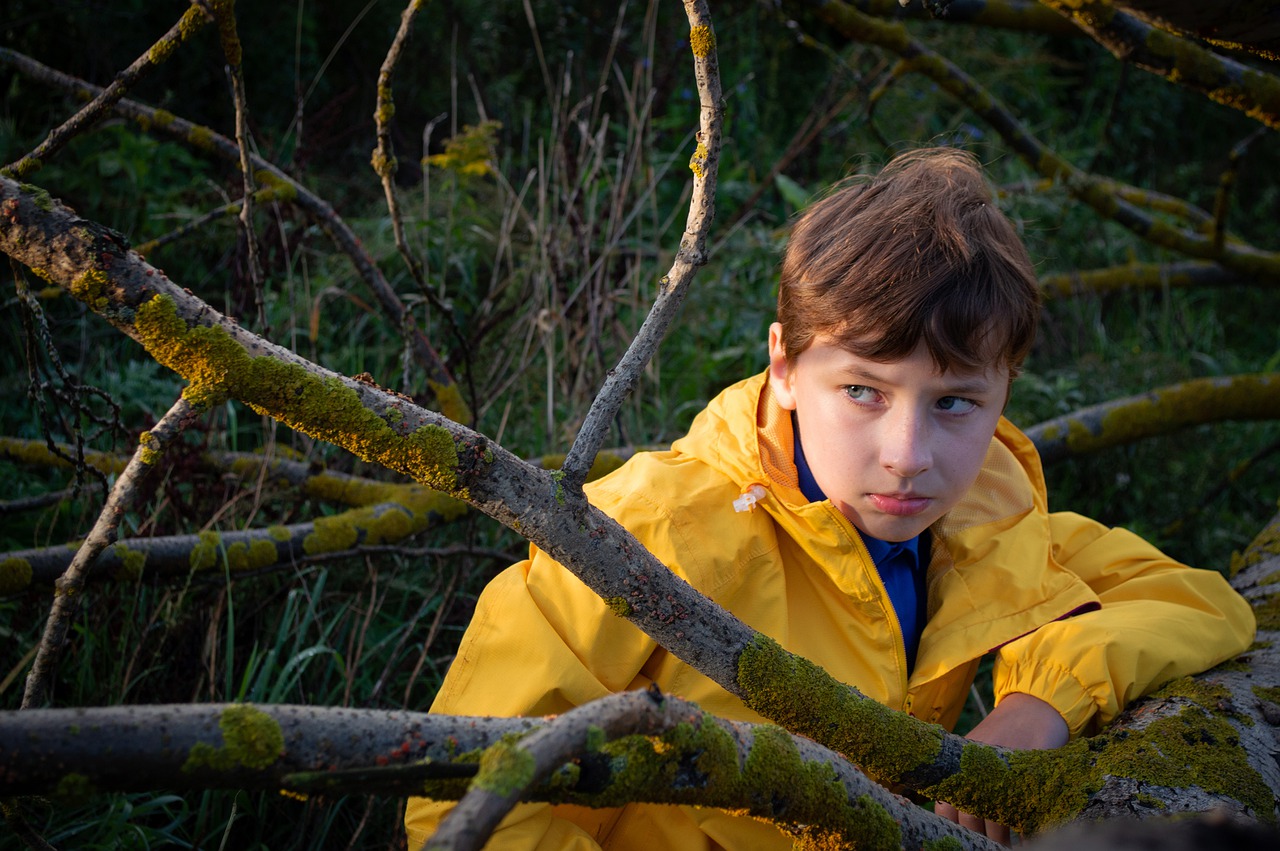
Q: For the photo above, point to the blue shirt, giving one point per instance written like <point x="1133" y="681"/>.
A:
<point x="898" y="563"/>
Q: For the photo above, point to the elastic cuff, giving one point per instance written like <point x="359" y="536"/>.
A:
<point x="1055" y="685"/>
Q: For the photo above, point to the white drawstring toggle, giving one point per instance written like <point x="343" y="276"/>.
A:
<point x="749" y="498"/>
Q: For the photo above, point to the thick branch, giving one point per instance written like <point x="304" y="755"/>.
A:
<point x="1167" y="409"/>
<point x="673" y="753"/>
<point x="1149" y="276"/>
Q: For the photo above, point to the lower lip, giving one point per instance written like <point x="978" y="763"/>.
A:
<point x="899" y="507"/>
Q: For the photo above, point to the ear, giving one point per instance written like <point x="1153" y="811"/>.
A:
<point x="780" y="370"/>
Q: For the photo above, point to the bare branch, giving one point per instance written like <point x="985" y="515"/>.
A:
<point x="225" y="13"/>
<point x="66" y="600"/>
<point x="384" y="159"/>
<point x="692" y="254"/>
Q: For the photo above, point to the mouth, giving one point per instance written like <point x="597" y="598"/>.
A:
<point x="899" y="504"/>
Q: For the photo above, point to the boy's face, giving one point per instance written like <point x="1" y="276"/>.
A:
<point x="894" y="446"/>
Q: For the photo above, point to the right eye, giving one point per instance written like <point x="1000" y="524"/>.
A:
<point x="862" y="394"/>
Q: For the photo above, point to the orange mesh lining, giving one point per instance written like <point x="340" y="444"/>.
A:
<point x="777" y="440"/>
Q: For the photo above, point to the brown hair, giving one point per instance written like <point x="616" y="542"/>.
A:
<point x="917" y="252"/>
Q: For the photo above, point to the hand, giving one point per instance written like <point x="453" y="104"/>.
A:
<point x="1022" y="722"/>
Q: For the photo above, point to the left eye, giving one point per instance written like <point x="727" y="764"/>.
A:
<point x="956" y="405"/>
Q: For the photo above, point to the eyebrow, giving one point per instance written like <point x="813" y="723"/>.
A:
<point x="964" y="387"/>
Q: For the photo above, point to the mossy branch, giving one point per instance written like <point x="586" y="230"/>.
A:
<point x="691" y="256"/>
<point x="1179" y="60"/>
<point x="633" y="746"/>
<point x="410" y="511"/>
<point x="439" y="380"/>
<point x="1139" y="276"/>
<point x="1106" y="197"/>
<point x="1161" y="411"/>
<point x="191" y="21"/>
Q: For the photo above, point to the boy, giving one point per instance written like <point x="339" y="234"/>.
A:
<point x="902" y="528"/>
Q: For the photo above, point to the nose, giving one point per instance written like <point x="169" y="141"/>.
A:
<point x="905" y="446"/>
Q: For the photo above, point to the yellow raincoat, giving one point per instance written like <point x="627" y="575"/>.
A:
<point x="1084" y="617"/>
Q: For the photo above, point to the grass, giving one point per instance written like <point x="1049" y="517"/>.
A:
<point x="540" y="272"/>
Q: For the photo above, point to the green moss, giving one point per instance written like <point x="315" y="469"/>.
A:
<point x="74" y="789"/>
<point x="15" y="575"/>
<point x="250" y="739"/>
<point x="280" y="533"/>
<point x="278" y="188"/>
<point x="325" y="408"/>
<point x="558" y="477"/>
<point x="1267" y="611"/>
<point x="39" y="196"/>
<point x="132" y="562"/>
<point x="204" y="555"/>
<point x="595" y="738"/>
<point x="619" y="606"/>
<point x="505" y="768"/>
<point x="946" y="843"/>
<point x="1271" y="694"/>
<point x="1149" y="801"/>
<point x="805" y="699"/>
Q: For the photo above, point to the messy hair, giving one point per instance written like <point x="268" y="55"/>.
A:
<point x="918" y="252"/>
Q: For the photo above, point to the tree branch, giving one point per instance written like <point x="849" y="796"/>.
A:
<point x="1219" y="78"/>
<point x="1177" y="406"/>
<point x="692" y="254"/>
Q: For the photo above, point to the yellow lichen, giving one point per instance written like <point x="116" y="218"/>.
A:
<point x="702" y="40"/>
<point x="698" y="162"/>
<point x="204" y="555"/>
<point x="323" y="407"/>
<point x="89" y="288"/>
<point x="132" y="562"/>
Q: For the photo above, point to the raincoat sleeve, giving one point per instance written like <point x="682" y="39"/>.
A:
<point x="1158" y="620"/>
<point x="541" y="642"/>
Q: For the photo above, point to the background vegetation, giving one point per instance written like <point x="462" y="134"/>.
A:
<point x="543" y="150"/>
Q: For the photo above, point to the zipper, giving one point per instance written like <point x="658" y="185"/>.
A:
<point x="882" y="597"/>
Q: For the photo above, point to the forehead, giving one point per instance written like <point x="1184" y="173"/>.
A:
<point x="918" y="366"/>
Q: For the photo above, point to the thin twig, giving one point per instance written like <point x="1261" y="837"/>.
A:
<point x="691" y="256"/>
<point x="69" y="586"/>
<point x="225" y="12"/>
<point x="384" y="159"/>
